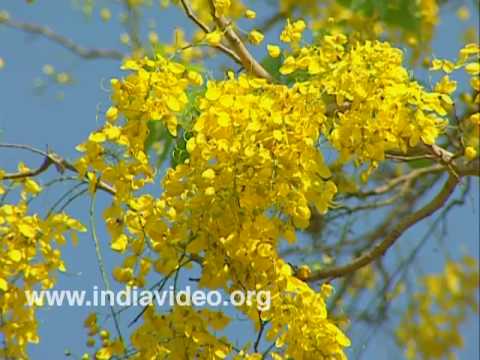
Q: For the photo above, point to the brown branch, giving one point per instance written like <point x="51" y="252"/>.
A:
<point x="471" y="168"/>
<point x="454" y="162"/>
<point x="260" y="332"/>
<point x="393" y="183"/>
<point x="32" y="173"/>
<point x="379" y="250"/>
<point x="250" y="64"/>
<point x="62" y="40"/>
<point x="446" y="160"/>
<point x="443" y="155"/>
<point x="50" y="158"/>
<point x="190" y="14"/>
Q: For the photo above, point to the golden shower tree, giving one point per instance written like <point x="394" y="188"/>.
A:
<point x="271" y="163"/>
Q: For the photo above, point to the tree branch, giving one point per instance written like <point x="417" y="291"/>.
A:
<point x="190" y="14"/>
<point x="62" y="40"/>
<point x="379" y="250"/>
<point x="393" y="183"/>
<point x="250" y="64"/>
<point x="50" y="158"/>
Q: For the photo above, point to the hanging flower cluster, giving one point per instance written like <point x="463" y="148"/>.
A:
<point x="378" y="107"/>
<point x="430" y="328"/>
<point x="30" y="257"/>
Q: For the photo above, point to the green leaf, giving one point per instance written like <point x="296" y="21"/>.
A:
<point x="158" y="134"/>
<point x="180" y="153"/>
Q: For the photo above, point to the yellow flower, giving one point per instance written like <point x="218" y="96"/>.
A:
<point x="120" y="243"/>
<point x="470" y="152"/>
<point x="221" y="7"/>
<point x="274" y="50"/>
<point x="475" y="119"/>
<point x="250" y="14"/>
<point x="210" y="191"/>
<point x="293" y="32"/>
<point x="255" y="37"/>
<point x="15" y="255"/>
<point x="125" y="39"/>
<point x="32" y="187"/>
<point x="463" y="13"/>
<point x="3" y="284"/>
<point x="112" y="113"/>
<point x="303" y="272"/>
<point x="473" y="68"/>
<point x="209" y="174"/>
<point x="105" y="14"/>
<point x="153" y="37"/>
<point x="289" y="66"/>
<point x="446" y="86"/>
<point x="214" y="38"/>
<point x="213" y="93"/>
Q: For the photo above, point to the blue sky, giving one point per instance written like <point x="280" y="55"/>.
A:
<point x="43" y="120"/>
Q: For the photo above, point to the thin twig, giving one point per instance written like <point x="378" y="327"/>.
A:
<point x="260" y="332"/>
<point x="101" y="263"/>
<point x="63" y="197"/>
<point x="159" y="286"/>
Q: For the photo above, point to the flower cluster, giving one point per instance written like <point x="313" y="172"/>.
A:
<point x="430" y="328"/>
<point x="292" y="33"/>
<point x="337" y="16"/>
<point x="469" y="61"/>
<point x="29" y="259"/>
<point x="183" y="333"/>
<point x="253" y="172"/>
<point x="378" y="107"/>
<point x="109" y="347"/>
<point x="154" y="91"/>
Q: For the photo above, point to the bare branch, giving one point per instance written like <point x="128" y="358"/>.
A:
<point x="260" y="332"/>
<point x="471" y="168"/>
<point x="50" y="158"/>
<point x="390" y="239"/>
<point x="393" y="183"/>
<point x="447" y="161"/>
<point x="25" y="174"/>
<point x="67" y="43"/>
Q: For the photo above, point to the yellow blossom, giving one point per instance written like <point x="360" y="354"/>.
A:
<point x="255" y="37"/>
<point x="250" y="14"/>
<point x="273" y="50"/>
